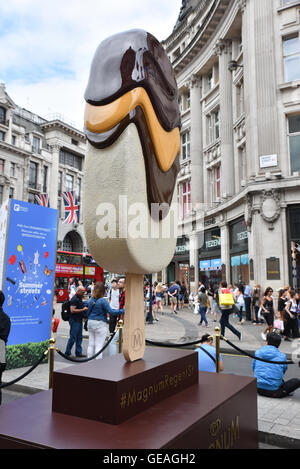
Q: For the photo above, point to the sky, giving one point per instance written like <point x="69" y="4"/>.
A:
<point x="47" y="46"/>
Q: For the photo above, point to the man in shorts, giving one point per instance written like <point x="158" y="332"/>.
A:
<point x="173" y="293"/>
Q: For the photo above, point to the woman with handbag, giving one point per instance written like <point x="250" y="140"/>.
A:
<point x="291" y="329"/>
<point x="267" y="306"/>
<point x="98" y="311"/>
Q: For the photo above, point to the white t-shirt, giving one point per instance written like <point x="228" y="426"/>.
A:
<point x="114" y="298"/>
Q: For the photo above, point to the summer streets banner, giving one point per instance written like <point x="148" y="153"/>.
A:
<point x="28" y="275"/>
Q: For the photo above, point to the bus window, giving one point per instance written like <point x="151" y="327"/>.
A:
<point x="88" y="260"/>
<point x="62" y="258"/>
<point x="61" y="283"/>
<point x="75" y="260"/>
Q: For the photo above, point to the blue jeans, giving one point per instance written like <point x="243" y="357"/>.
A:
<point x="75" y="337"/>
<point x="203" y="310"/>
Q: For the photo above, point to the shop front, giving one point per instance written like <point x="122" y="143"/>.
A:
<point x="294" y="246"/>
<point x="210" y="265"/>
<point x="181" y="259"/>
<point x="239" y="257"/>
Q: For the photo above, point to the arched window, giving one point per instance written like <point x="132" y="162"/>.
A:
<point x="72" y="242"/>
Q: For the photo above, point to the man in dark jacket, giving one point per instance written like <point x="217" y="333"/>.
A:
<point x="4" y="333"/>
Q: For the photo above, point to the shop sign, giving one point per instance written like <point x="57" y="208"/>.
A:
<point x="183" y="246"/>
<point x="239" y="236"/>
<point x="210" y="264"/>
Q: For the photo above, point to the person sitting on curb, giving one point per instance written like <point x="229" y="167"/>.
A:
<point x="207" y="355"/>
<point x="270" y="376"/>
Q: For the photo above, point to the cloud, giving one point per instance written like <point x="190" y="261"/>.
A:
<point x="47" y="47"/>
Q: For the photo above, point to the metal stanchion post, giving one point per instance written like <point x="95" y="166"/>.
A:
<point x="217" y="336"/>
<point x="120" y="328"/>
<point x="51" y="361"/>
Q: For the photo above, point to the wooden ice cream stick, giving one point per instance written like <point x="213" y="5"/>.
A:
<point x="134" y="327"/>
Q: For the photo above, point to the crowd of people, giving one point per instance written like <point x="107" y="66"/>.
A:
<point x="281" y="314"/>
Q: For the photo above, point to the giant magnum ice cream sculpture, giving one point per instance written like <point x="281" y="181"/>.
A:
<point x="132" y="125"/>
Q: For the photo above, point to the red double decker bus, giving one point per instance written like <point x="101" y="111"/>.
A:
<point x="74" y="265"/>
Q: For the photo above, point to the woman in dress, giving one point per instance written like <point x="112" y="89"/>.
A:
<point x="267" y="306"/>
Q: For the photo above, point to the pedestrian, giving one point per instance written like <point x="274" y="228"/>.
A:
<point x="78" y="313"/>
<point x="226" y="309"/>
<point x="267" y="306"/>
<point x="113" y="299"/>
<point x="5" y="325"/>
<point x="114" y="345"/>
<point x="202" y="305"/>
<point x="269" y="376"/>
<point x="291" y="329"/>
<point x="284" y="316"/>
<point x="159" y="292"/>
<point x="207" y="355"/>
<point x="247" y="299"/>
<point x="256" y="302"/>
<point x="173" y="292"/>
<point x="98" y="312"/>
<point x="240" y="304"/>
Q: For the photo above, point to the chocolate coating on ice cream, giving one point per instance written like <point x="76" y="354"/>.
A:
<point x="134" y="59"/>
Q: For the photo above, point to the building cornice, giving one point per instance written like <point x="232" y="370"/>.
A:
<point x="59" y="125"/>
<point x="207" y="29"/>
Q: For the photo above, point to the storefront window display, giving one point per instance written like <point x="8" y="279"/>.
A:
<point x="239" y="258"/>
<point x="210" y="264"/>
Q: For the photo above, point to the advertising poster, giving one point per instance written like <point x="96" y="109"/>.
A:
<point x="29" y="269"/>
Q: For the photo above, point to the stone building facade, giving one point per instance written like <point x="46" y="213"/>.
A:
<point x="237" y="64"/>
<point x="41" y="156"/>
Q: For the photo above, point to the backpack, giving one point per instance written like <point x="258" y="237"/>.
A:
<point x="65" y="310"/>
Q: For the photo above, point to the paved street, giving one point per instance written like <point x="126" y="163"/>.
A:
<point x="278" y="420"/>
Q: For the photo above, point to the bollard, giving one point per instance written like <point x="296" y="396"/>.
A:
<point x="120" y="328"/>
<point x="217" y="336"/>
<point x="51" y="361"/>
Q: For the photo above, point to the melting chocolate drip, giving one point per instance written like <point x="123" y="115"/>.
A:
<point x="160" y="184"/>
<point x="131" y="59"/>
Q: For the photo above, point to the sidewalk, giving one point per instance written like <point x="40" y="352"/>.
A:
<point x="278" y="420"/>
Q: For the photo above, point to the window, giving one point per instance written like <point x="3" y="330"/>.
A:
<point x="45" y="177"/>
<point x="1" y="195"/>
<point x="185" y="146"/>
<point x="215" y="183"/>
<point x="185" y="198"/>
<point x="291" y="54"/>
<point x="1" y="166"/>
<point x="36" y="145"/>
<point x="213" y="126"/>
<point x="69" y="182"/>
<point x="12" y="169"/>
<point x="242" y="166"/>
<point x="11" y="192"/>
<point x="70" y="159"/>
<point x="2" y="115"/>
<point x="59" y="183"/>
<point x="210" y="81"/>
<point x="239" y="99"/>
<point x="62" y="259"/>
<point x="294" y="142"/>
<point x="76" y="260"/>
<point x="2" y="135"/>
<point x="13" y="140"/>
<point x="31" y="198"/>
<point x="33" y="169"/>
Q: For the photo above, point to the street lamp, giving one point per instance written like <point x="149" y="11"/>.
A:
<point x="233" y="65"/>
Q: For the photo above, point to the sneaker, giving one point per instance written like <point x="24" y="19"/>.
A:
<point x="175" y="311"/>
<point x="263" y="336"/>
<point x="242" y="321"/>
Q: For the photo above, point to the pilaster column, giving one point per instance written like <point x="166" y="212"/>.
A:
<point x="225" y="249"/>
<point x="53" y="188"/>
<point x="197" y="191"/>
<point x="223" y="50"/>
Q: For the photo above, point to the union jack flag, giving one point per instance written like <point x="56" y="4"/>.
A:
<point x="42" y="199"/>
<point x="71" y="207"/>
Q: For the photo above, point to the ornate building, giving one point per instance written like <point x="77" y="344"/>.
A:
<point x="237" y="64"/>
<point x="41" y="156"/>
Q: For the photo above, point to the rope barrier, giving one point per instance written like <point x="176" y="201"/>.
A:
<point x="288" y="362"/>
<point x="27" y="372"/>
<point x="84" y="360"/>
<point x="166" y="344"/>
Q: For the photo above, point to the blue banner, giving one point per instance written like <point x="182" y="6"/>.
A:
<point x="28" y="279"/>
